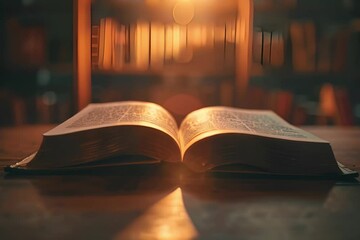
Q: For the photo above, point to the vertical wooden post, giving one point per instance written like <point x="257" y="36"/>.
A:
<point x="82" y="53"/>
<point x="243" y="49"/>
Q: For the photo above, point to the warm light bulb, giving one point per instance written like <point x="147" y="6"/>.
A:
<point x="183" y="12"/>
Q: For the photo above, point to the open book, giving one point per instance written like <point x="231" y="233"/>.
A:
<point x="208" y="139"/>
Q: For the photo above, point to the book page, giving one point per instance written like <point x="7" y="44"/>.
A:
<point x="216" y="120"/>
<point x="119" y="113"/>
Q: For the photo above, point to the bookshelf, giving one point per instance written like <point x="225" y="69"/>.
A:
<point x="36" y="61"/>
<point x="302" y="47"/>
<point x="219" y="57"/>
<point x="147" y="52"/>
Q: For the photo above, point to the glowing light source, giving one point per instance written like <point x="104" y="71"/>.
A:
<point x="183" y="12"/>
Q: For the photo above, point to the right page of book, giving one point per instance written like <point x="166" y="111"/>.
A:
<point x="217" y="120"/>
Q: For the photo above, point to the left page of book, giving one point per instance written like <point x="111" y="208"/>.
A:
<point x="109" y="130"/>
<point x="99" y="115"/>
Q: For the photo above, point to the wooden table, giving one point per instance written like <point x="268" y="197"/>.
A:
<point x="172" y="203"/>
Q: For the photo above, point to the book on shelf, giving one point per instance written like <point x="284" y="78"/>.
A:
<point x="268" y="47"/>
<point x="222" y="139"/>
<point x="303" y="41"/>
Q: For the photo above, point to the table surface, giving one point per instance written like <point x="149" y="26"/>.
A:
<point x="172" y="203"/>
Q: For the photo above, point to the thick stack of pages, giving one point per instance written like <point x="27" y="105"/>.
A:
<point x="210" y="139"/>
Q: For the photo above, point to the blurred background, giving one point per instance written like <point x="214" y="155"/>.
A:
<point x="299" y="58"/>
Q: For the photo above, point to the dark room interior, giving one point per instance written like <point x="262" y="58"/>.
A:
<point x="179" y="119"/>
